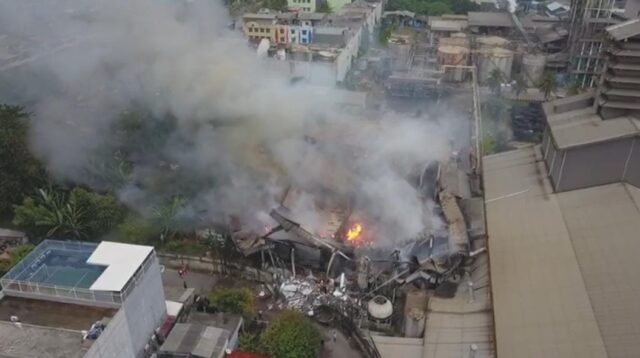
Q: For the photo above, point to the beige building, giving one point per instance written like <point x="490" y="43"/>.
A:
<point x="259" y="26"/>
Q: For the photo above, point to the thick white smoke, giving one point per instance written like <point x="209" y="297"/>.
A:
<point x="245" y="125"/>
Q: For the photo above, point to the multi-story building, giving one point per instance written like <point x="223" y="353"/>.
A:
<point x="260" y="26"/>
<point x="589" y="18"/>
<point x="300" y="34"/>
<point x="81" y="299"/>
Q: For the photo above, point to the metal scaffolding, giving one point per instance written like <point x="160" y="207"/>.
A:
<point x="589" y="18"/>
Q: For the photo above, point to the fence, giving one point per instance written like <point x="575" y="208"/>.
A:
<point x="13" y="284"/>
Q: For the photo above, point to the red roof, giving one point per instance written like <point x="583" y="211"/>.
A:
<point x="238" y="354"/>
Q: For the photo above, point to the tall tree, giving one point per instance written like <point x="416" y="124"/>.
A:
<point x="548" y="85"/>
<point x="20" y="172"/>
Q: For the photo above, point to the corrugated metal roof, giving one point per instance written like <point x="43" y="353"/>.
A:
<point x="541" y="305"/>
<point x="624" y="30"/>
<point x="490" y="19"/>
<point x="603" y="223"/>
<point x="122" y="261"/>
<point x="448" y="25"/>
<point x="582" y="125"/>
<point x="196" y="339"/>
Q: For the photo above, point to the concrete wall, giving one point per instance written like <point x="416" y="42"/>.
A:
<point x="115" y="341"/>
<point x="133" y="325"/>
<point x="632" y="173"/>
<point x="593" y="165"/>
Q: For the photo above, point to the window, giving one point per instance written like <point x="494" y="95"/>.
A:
<point x="304" y="32"/>
<point x="282" y="31"/>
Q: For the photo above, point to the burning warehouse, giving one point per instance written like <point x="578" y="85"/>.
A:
<point x="335" y="256"/>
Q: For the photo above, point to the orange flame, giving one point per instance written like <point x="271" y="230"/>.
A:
<point x="354" y="232"/>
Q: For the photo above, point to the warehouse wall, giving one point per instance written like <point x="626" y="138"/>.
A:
<point x="632" y="175"/>
<point x="592" y="165"/>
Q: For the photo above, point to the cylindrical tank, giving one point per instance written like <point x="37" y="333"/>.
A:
<point x="491" y="42"/>
<point x="453" y="56"/>
<point x="494" y="58"/>
<point x="454" y="41"/>
<point x="533" y="68"/>
<point x="380" y="308"/>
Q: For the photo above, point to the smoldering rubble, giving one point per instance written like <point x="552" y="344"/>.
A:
<point x="234" y="136"/>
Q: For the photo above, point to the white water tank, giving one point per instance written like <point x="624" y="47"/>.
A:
<point x="380" y="308"/>
<point x="490" y="59"/>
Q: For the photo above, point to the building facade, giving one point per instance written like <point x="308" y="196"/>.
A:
<point x="588" y="21"/>
<point x="302" y="5"/>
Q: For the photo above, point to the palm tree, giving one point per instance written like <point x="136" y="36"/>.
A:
<point x="166" y="216"/>
<point x="519" y="86"/>
<point x="59" y="215"/>
<point x="548" y="85"/>
<point x="495" y="81"/>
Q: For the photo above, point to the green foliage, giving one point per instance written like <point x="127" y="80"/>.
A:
<point x="325" y="8"/>
<point x="520" y="86"/>
<point x="432" y="7"/>
<point x="20" y="252"/>
<point x="489" y="145"/>
<point x="385" y="35"/>
<point x="495" y="81"/>
<point x="165" y="217"/>
<point x="291" y="335"/>
<point x="250" y="343"/>
<point x="17" y="254"/>
<point x="51" y="214"/>
<point x="135" y="229"/>
<point x="548" y="85"/>
<point x="234" y="300"/>
<point x="20" y="171"/>
<point x="103" y="211"/>
<point x="278" y="5"/>
<point x="78" y="214"/>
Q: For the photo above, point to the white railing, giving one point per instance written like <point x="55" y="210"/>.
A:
<point x="10" y="283"/>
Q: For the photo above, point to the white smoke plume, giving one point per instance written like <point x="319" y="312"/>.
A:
<point x="241" y="131"/>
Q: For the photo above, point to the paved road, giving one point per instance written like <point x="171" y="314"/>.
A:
<point x="203" y="283"/>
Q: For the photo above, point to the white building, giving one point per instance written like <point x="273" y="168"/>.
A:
<point x="110" y="294"/>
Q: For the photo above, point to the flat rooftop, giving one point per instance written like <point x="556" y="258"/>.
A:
<point x="581" y="125"/>
<point x="52" y="314"/>
<point x="29" y="341"/>
<point x="563" y="266"/>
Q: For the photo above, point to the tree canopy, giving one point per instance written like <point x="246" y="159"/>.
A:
<point x="20" y="171"/>
<point x="234" y="300"/>
<point x="291" y="335"/>
<point x="324" y="8"/>
<point x="75" y="214"/>
<point x="432" y="7"/>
